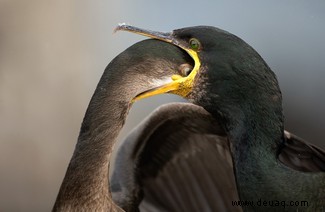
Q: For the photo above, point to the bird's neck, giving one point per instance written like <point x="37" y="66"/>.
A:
<point x="254" y="146"/>
<point x="252" y="125"/>
<point x="86" y="181"/>
<point x="255" y="137"/>
<point x="256" y="134"/>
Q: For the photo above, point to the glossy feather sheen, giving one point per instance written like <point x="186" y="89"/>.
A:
<point x="184" y="157"/>
<point x="240" y="91"/>
<point x="183" y="162"/>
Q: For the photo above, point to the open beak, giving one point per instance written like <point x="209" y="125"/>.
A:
<point x="180" y="85"/>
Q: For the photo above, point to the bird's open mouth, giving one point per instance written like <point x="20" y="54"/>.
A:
<point x="180" y="85"/>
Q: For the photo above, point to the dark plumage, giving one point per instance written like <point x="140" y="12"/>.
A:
<point x="139" y="68"/>
<point x="178" y="159"/>
<point x="237" y="88"/>
<point x="188" y="157"/>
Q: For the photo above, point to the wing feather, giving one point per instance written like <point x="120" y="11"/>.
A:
<point x="176" y="160"/>
<point x="300" y="155"/>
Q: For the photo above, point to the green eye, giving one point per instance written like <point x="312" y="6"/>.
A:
<point x="195" y="44"/>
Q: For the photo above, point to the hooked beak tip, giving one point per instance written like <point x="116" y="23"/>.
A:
<point x="120" y="26"/>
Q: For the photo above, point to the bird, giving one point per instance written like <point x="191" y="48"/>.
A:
<point x="236" y="104"/>
<point x="142" y="66"/>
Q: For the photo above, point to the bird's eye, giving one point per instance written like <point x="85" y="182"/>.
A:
<point x="195" y="44"/>
<point x="185" y="69"/>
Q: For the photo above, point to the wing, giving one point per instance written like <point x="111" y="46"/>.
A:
<point x="176" y="160"/>
<point x="300" y="155"/>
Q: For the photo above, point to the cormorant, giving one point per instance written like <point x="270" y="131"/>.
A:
<point x="274" y="170"/>
<point x="143" y="66"/>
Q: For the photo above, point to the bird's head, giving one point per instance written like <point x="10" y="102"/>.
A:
<point x="228" y="74"/>
<point x="143" y="66"/>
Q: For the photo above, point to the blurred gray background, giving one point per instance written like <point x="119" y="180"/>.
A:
<point x="52" y="54"/>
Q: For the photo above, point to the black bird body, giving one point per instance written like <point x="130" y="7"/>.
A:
<point x="243" y="93"/>
<point x="234" y="84"/>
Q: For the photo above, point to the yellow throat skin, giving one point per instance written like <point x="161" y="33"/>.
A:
<point x="180" y="85"/>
